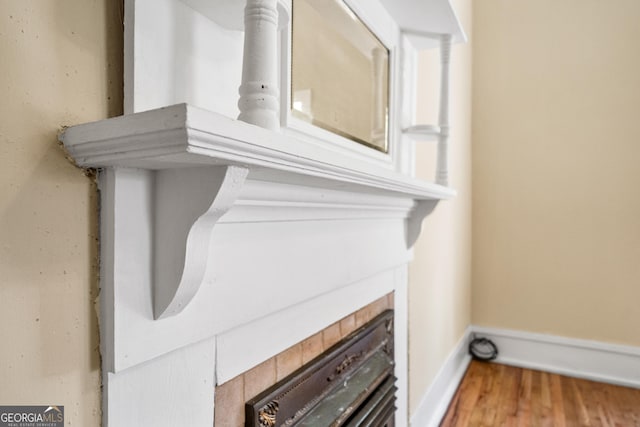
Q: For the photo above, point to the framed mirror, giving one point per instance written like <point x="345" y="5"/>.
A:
<point x="339" y="73"/>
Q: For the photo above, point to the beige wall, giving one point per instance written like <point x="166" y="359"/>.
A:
<point x="556" y="121"/>
<point x="440" y="275"/>
<point x="58" y="67"/>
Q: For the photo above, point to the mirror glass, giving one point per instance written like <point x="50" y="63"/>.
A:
<point x="339" y="73"/>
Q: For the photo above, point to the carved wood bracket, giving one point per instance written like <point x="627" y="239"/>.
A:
<point x="414" y="222"/>
<point x="188" y="204"/>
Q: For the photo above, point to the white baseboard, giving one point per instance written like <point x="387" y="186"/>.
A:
<point x="592" y="360"/>
<point x="597" y="361"/>
<point x="435" y="402"/>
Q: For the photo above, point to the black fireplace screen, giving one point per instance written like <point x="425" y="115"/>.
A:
<point x="351" y="384"/>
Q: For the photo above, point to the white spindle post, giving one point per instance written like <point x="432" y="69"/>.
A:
<point x="442" y="168"/>
<point x="259" y="102"/>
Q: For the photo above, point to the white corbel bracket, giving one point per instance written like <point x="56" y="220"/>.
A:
<point x="188" y="204"/>
<point x="417" y="215"/>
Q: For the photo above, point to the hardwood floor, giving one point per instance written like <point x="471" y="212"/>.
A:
<point x="499" y="395"/>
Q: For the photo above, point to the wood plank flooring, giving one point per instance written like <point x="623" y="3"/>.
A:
<point x="497" y="395"/>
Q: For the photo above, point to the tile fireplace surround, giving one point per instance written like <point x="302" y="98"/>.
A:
<point x="225" y="242"/>
<point x="231" y="396"/>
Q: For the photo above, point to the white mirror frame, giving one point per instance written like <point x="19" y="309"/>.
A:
<point x="375" y="17"/>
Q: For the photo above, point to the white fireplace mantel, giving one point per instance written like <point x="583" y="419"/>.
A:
<point x="201" y="162"/>
<point x="223" y="243"/>
<point x="215" y="233"/>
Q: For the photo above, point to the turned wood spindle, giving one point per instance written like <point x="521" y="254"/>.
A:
<point x="258" y="101"/>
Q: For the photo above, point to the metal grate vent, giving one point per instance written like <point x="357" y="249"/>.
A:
<point x="351" y="384"/>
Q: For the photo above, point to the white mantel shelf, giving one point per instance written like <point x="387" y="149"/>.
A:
<point x="203" y="168"/>
<point x="185" y="136"/>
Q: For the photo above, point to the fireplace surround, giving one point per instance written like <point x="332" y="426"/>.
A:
<point x="224" y="242"/>
<point x="284" y="247"/>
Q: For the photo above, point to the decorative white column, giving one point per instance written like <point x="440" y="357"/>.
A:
<point x="259" y="102"/>
<point x="442" y="167"/>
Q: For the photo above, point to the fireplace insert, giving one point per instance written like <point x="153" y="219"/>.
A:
<point x="351" y="384"/>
